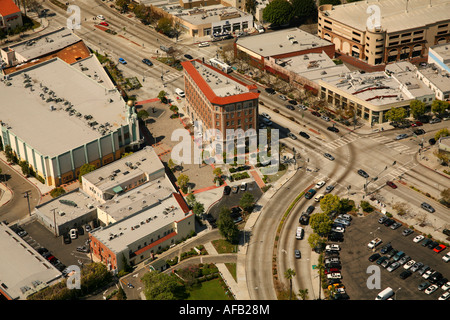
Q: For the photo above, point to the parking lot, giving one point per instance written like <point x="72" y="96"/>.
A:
<point x="40" y="237"/>
<point x="355" y="254"/>
<point x="233" y="199"/>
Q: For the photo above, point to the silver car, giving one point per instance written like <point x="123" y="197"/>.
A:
<point x="328" y="156"/>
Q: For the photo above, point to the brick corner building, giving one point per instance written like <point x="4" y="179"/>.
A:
<point x="10" y="15"/>
<point x="219" y="100"/>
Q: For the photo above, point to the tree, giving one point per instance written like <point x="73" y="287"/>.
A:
<point x="417" y="108"/>
<point x="183" y="182"/>
<point x="56" y="192"/>
<point x="217" y="172"/>
<point x="441" y="133"/>
<point x="164" y="25"/>
<point x="10" y="156"/>
<point x="25" y="167"/>
<point x="278" y="12"/>
<point x="304" y="10"/>
<point x="198" y="208"/>
<point x="85" y="168"/>
<point x="303" y="293"/>
<point x="315" y="240"/>
<point x="439" y="106"/>
<point x="250" y="7"/>
<point x="247" y="201"/>
<point x="226" y="225"/>
<point x="289" y="274"/>
<point x="320" y="223"/>
<point x="190" y="200"/>
<point x="396" y="114"/>
<point x="445" y="194"/>
<point x="162" y="96"/>
<point x="162" y="286"/>
<point x="143" y="114"/>
<point x="329" y="203"/>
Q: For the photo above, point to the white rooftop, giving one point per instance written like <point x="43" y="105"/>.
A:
<point x="119" y="235"/>
<point x="376" y="87"/>
<point x="313" y="66"/>
<point x="396" y="15"/>
<point x="281" y="42"/>
<point x="51" y="127"/>
<point x="44" y="44"/>
<point x="206" y="15"/>
<point x="221" y="85"/>
<point x="22" y="269"/>
<point x="145" y="163"/>
<point x="439" y="77"/>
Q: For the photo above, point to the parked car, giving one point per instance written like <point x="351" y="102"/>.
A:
<point x="431" y="289"/>
<point x="188" y="56"/>
<point x="310" y="193"/>
<point x="315" y="113"/>
<point x="329" y="188"/>
<point x="439" y="248"/>
<point x="203" y="44"/>
<point x="319" y="185"/>
<point x="407" y="232"/>
<point x="409" y="264"/>
<point x="393" y="266"/>
<point x="103" y="23"/>
<point x="423" y="285"/>
<point x="310" y="210"/>
<point x="396" y="225"/>
<point x="374" y="257"/>
<point x="418" y="238"/>
<point x="226" y="190"/>
<point x="405" y="274"/>
<point x="416" y="266"/>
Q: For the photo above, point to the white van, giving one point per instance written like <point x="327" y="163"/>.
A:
<point x="300" y="233"/>
<point x="319" y="197"/>
<point x="179" y="92"/>
<point x="385" y="294"/>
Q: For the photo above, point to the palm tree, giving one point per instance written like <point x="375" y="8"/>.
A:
<point x="303" y="293"/>
<point x="289" y="274"/>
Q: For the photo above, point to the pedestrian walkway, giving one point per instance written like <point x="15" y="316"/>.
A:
<point x="239" y="287"/>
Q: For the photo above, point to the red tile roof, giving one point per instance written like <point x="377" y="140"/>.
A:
<point x="8" y="7"/>
<point x="209" y="93"/>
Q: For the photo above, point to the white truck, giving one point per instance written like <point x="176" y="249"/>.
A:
<point x="385" y="294"/>
<point x="375" y="242"/>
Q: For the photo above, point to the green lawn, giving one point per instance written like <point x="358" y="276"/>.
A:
<point x="208" y="290"/>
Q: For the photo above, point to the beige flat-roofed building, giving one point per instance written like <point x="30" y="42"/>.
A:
<point x="23" y="271"/>
<point x="59" y="116"/>
<point x="371" y="95"/>
<point x="406" y="29"/>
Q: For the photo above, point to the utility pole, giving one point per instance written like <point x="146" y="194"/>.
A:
<point x="26" y="194"/>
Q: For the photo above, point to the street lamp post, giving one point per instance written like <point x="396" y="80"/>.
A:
<point x="27" y="195"/>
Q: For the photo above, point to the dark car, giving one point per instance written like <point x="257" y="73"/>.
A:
<point x="423" y="285"/>
<point x="67" y="239"/>
<point x="333" y="129"/>
<point x="315" y="113"/>
<point x="446" y="232"/>
<point x="374" y="257"/>
<point x="293" y="102"/>
<point x="435" y="277"/>
<point x="386" y="248"/>
<point x="426" y="242"/>
<point x="310" y="193"/>
<point x="432" y="244"/>
<point x="405" y="274"/>
<point x="304" y="219"/>
<point x="389" y="222"/>
<point x="304" y="134"/>
<point x="419" y="132"/>
<point x="188" y="56"/>
<point x="310" y="210"/>
<point x="270" y="90"/>
<point x="226" y="190"/>
<point x="147" y="62"/>
<point x="391" y="184"/>
<point x="432" y="141"/>
<point x="290" y="107"/>
<point x="363" y="174"/>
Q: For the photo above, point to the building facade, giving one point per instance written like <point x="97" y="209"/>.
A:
<point x="10" y="15"/>
<point x="384" y="31"/>
<point x="218" y="100"/>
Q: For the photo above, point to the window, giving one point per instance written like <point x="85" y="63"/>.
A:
<point x="394" y="37"/>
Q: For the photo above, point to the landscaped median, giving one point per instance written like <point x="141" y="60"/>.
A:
<point x="280" y="227"/>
